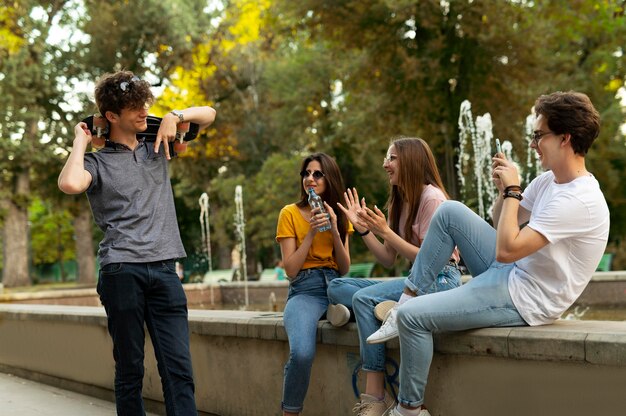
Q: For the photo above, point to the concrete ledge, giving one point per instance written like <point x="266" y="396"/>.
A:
<point x="606" y="289"/>
<point x="239" y="355"/>
<point x="562" y="341"/>
<point x="597" y="342"/>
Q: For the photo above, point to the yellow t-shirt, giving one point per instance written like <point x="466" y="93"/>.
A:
<point x="291" y="224"/>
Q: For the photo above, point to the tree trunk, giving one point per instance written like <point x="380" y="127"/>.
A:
<point x="85" y="256"/>
<point x="449" y="171"/>
<point x="252" y="260"/>
<point x="60" y="258"/>
<point x="15" y="234"/>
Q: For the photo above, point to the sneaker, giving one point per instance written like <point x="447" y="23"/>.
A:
<point x="337" y="315"/>
<point x="371" y="406"/>
<point x="394" y="412"/>
<point x="387" y="331"/>
<point x="380" y="311"/>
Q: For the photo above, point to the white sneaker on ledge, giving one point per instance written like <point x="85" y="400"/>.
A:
<point x="388" y="330"/>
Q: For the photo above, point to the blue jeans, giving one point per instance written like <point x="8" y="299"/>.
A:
<point x="134" y="293"/>
<point x="306" y="304"/>
<point x="482" y="302"/>
<point x="362" y="296"/>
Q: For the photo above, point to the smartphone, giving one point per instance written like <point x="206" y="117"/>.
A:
<point x="498" y="147"/>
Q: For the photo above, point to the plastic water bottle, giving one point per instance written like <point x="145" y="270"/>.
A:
<point x="316" y="202"/>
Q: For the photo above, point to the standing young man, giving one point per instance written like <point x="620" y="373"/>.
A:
<point x="523" y="275"/>
<point x="129" y="190"/>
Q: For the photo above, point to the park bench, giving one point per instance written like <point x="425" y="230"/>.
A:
<point x="605" y="263"/>
<point x="361" y="270"/>
<point x="219" y="276"/>
<point x="268" y="275"/>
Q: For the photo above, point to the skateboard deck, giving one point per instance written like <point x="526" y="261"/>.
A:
<point x="101" y="128"/>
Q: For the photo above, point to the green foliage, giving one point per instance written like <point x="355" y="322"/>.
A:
<point x="274" y="186"/>
<point x="144" y="35"/>
<point x="51" y="233"/>
<point x="292" y="77"/>
<point x="1" y="242"/>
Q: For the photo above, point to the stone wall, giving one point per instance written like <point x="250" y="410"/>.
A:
<point x="569" y="368"/>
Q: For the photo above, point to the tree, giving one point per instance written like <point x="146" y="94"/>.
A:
<point x="29" y="95"/>
<point x="275" y="185"/>
<point x="148" y="40"/>
<point x="408" y="65"/>
<point x="39" y="71"/>
<point x="288" y="78"/>
<point x="51" y="235"/>
<point x="344" y="77"/>
<point x="588" y="56"/>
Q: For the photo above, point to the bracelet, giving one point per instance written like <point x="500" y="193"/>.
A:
<point x="512" y="194"/>
<point x="512" y="188"/>
<point x="363" y="234"/>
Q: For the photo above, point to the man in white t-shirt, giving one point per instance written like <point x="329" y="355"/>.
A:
<point x="548" y="240"/>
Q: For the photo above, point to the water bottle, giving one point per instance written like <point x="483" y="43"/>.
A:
<point x="316" y="202"/>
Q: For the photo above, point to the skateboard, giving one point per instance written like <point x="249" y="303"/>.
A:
<point x="100" y="130"/>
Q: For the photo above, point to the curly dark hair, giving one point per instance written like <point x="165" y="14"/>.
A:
<point x="571" y="112"/>
<point x="122" y="90"/>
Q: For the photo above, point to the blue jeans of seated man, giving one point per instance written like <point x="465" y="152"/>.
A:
<point x="362" y="296"/>
<point x="306" y="304"/>
<point x="482" y="302"/>
<point x="150" y="293"/>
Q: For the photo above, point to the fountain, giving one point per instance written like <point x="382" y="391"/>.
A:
<point x="240" y="225"/>
<point x="479" y="134"/>
<point x="273" y="307"/>
<point x="206" y="233"/>
<point x="476" y="137"/>
<point x="533" y="164"/>
<point x="204" y="227"/>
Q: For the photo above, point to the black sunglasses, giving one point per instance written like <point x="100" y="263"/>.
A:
<point x="126" y="85"/>
<point x="317" y="174"/>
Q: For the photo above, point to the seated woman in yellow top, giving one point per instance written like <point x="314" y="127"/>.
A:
<point x="311" y="259"/>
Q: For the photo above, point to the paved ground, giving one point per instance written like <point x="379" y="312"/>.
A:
<point x="21" y="397"/>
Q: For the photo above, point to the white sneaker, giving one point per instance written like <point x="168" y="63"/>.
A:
<point x="338" y="315"/>
<point x="381" y="310"/>
<point x="394" y="412"/>
<point x="388" y="330"/>
<point x="371" y="406"/>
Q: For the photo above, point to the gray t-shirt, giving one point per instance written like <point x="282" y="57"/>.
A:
<point x="132" y="203"/>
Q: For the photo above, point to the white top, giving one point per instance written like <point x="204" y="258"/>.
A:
<point x="574" y="217"/>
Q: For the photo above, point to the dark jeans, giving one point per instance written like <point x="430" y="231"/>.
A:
<point x="150" y="293"/>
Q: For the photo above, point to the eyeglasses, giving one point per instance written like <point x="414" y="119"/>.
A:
<point x="389" y="159"/>
<point x="317" y="175"/>
<point x="125" y="85"/>
<point x="537" y="135"/>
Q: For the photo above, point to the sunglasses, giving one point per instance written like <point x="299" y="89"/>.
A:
<point x="317" y="175"/>
<point x="126" y="85"/>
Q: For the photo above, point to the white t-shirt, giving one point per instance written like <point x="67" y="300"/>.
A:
<point x="574" y="217"/>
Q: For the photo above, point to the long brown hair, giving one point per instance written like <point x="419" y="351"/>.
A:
<point x="416" y="169"/>
<point x="334" y="188"/>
